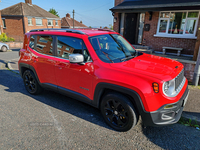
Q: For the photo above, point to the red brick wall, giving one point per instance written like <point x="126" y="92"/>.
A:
<point x="14" y="28"/>
<point x="158" y="42"/>
<point x="189" y="71"/>
<point x="1" y="24"/>
<point x="44" y="22"/>
<point x="116" y="24"/>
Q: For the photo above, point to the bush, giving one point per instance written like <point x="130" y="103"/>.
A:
<point x="4" y="38"/>
<point x="11" y="39"/>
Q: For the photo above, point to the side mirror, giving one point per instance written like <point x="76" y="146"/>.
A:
<point x="76" y="58"/>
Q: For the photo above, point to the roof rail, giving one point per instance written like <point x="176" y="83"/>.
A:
<point x="98" y="29"/>
<point x="58" y="29"/>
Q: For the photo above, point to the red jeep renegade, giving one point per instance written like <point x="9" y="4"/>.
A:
<point x="101" y="68"/>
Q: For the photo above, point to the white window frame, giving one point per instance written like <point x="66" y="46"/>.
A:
<point x="166" y="34"/>
<point x="36" y="22"/>
<point x="3" y="22"/>
<point x="51" y="22"/>
<point x="30" y="18"/>
<point x="55" y="22"/>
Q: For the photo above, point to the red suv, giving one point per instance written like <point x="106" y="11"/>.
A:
<point x="100" y="68"/>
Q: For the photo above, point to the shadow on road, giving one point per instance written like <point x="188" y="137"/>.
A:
<point x="14" y="83"/>
<point x="15" y="49"/>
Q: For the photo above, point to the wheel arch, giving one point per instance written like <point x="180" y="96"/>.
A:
<point x="23" y="67"/>
<point x="103" y="88"/>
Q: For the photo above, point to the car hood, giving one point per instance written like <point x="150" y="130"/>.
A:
<point x="150" y="65"/>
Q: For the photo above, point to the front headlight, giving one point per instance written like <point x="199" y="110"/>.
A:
<point x="169" y="88"/>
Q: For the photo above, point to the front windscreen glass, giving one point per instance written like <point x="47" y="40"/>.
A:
<point x="112" y="48"/>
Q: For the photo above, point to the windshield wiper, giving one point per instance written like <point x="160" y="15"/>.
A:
<point x="129" y="57"/>
<point x="106" y="54"/>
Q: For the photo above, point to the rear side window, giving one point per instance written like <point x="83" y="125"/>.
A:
<point x="42" y="44"/>
<point x="70" y="45"/>
<point x="32" y="41"/>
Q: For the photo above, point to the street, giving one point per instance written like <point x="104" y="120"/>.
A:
<point x="53" y="121"/>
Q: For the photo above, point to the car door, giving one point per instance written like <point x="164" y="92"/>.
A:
<point x="42" y="58"/>
<point x="75" y="77"/>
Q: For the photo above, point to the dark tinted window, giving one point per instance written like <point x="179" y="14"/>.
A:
<point x="31" y="43"/>
<point x="112" y="48"/>
<point x="70" y="45"/>
<point x="45" y="44"/>
<point x="42" y="44"/>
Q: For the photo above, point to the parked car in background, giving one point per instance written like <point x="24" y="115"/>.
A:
<point x="100" y="68"/>
<point x="3" y="47"/>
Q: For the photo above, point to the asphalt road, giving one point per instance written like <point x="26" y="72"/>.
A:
<point x="53" y="121"/>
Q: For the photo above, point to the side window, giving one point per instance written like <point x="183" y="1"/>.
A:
<point x="70" y="45"/>
<point x="42" y="44"/>
<point x="31" y="43"/>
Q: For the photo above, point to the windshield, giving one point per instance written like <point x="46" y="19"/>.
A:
<point x="112" y="48"/>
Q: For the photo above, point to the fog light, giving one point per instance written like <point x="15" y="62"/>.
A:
<point x="168" y="106"/>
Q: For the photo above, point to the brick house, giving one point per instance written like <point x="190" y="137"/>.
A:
<point x="23" y="17"/>
<point x="67" y="22"/>
<point x="1" y="24"/>
<point x="158" y="23"/>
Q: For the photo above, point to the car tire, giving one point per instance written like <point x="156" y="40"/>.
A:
<point x="4" y="49"/>
<point x="118" y="112"/>
<point x="31" y="83"/>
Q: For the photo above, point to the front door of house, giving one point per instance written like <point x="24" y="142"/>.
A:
<point x="131" y="27"/>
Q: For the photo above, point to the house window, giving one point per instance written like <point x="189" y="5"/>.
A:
<point x="38" y="21"/>
<point x="56" y="22"/>
<point x="4" y="22"/>
<point x="30" y="21"/>
<point x="50" y="22"/>
<point x="180" y="24"/>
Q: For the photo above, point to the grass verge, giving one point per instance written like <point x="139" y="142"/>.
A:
<point x="189" y="123"/>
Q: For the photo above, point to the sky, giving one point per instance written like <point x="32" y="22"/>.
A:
<point x="93" y="13"/>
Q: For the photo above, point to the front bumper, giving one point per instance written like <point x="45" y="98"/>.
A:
<point x="166" y="116"/>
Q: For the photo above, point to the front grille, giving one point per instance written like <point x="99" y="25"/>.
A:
<point x="179" y="79"/>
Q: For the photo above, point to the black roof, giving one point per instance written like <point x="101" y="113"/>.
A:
<point x="156" y="5"/>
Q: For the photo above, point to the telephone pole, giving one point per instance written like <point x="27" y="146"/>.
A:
<point x="73" y="17"/>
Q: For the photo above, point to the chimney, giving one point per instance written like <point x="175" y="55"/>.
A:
<point x="68" y="15"/>
<point x="81" y="22"/>
<point x="28" y="2"/>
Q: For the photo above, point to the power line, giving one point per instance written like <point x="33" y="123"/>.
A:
<point x="98" y="7"/>
<point x="90" y="18"/>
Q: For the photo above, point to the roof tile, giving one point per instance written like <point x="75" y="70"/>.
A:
<point x="27" y="10"/>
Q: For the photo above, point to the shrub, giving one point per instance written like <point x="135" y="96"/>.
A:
<point x="11" y="39"/>
<point x="4" y="38"/>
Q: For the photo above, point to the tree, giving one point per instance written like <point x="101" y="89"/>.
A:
<point x="111" y="27"/>
<point x="53" y="11"/>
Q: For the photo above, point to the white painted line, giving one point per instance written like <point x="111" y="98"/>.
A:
<point x="10" y="67"/>
<point x="57" y="125"/>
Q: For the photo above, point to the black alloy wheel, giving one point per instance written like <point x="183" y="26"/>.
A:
<point x="31" y="83"/>
<point x="118" y="112"/>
